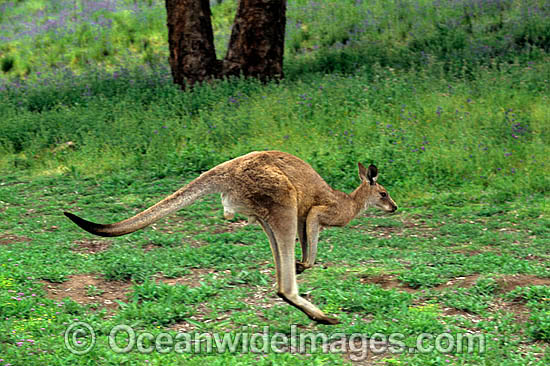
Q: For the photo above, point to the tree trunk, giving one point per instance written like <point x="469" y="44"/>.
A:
<point x="257" y="40"/>
<point x="255" y="48"/>
<point x="191" y="41"/>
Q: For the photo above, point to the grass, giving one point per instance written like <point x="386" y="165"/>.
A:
<point x="43" y="249"/>
<point x="424" y="131"/>
<point x="448" y="99"/>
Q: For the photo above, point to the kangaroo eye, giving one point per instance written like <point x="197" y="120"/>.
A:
<point x="383" y="194"/>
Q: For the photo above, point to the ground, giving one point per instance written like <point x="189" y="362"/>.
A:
<point x="411" y="272"/>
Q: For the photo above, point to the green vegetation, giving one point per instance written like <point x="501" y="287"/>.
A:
<point x="449" y="100"/>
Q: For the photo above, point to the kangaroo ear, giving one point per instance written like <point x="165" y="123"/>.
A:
<point x="362" y="172"/>
<point x="372" y="174"/>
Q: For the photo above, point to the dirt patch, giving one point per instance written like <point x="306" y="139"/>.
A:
<point x="230" y="227"/>
<point x="463" y="281"/>
<point x="201" y="315"/>
<point x="447" y="311"/>
<point x="509" y="282"/>
<point x="360" y="351"/>
<point x="520" y="311"/>
<point x="91" y="246"/>
<point x="260" y="298"/>
<point x="265" y="297"/>
<point x="408" y="228"/>
<point x="461" y="318"/>
<point x="148" y="247"/>
<point x="192" y="242"/>
<point x="391" y="282"/>
<point x="171" y="225"/>
<point x="257" y="299"/>
<point x="89" y="289"/>
<point x="531" y="257"/>
<point x="506" y="283"/>
<point x="195" y="243"/>
<point x="202" y="312"/>
<point x="194" y="278"/>
<point x="387" y="282"/>
<point x="7" y="239"/>
<point x="386" y="231"/>
<point x="180" y="224"/>
<point x="507" y="230"/>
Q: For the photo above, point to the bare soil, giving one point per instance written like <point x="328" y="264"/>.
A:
<point x="410" y="228"/>
<point x="361" y="351"/>
<point x="463" y="281"/>
<point x="387" y="282"/>
<point x="520" y="311"/>
<point x="7" y="239"/>
<point x="77" y="288"/>
<point x="194" y="278"/>
<point x="229" y="227"/>
<point x="261" y="297"/>
<point x="91" y="246"/>
<point x="509" y="282"/>
<point x="506" y="283"/>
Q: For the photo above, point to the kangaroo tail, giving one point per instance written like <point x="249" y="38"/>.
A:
<point x="185" y="196"/>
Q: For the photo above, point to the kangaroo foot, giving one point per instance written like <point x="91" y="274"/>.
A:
<point x="328" y="321"/>
<point x="300" y="267"/>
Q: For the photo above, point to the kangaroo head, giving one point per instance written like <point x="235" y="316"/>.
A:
<point x="378" y="196"/>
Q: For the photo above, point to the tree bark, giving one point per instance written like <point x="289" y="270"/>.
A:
<point x="191" y="41"/>
<point x="255" y="48"/>
<point x="257" y="40"/>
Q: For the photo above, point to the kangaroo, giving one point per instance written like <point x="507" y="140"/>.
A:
<point x="285" y="195"/>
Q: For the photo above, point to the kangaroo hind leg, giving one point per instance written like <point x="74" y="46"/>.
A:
<point x="281" y="231"/>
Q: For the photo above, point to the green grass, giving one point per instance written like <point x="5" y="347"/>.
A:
<point x="44" y="245"/>
<point x="426" y="132"/>
<point x="448" y="99"/>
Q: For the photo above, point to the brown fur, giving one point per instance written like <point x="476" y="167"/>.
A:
<point x="285" y="195"/>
